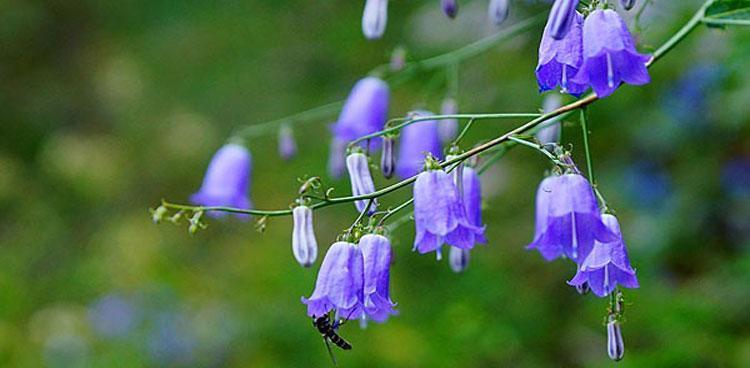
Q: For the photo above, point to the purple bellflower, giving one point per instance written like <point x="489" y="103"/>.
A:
<point x="561" y="18"/>
<point x="376" y="252"/>
<point x="361" y="179"/>
<point x="448" y="128"/>
<point x="416" y="140"/>
<point x="439" y="214"/>
<point x="607" y="265"/>
<point x="227" y="179"/>
<point x="472" y="199"/>
<point x="458" y="259"/>
<point x="609" y="55"/>
<point x="450" y="7"/>
<point x="374" y="18"/>
<point x="568" y="220"/>
<point x="304" y="245"/>
<point x="340" y="282"/>
<point x="365" y="110"/>
<point x="498" y="11"/>
<point x="560" y="60"/>
<point x="287" y="145"/>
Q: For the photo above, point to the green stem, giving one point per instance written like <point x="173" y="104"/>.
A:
<point x="463" y="132"/>
<point x="539" y="149"/>
<point x="586" y="147"/>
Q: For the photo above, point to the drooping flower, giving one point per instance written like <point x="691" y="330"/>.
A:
<point x="287" y="145"/>
<point x="361" y="180"/>
<point x="472" y="198"/>
<point x="376" y="252"/>
<point x="227" y="179"/>
<point x="615" y="343"/>
<point x="304" y="245"/>
<point x="607" y="265"/>
<point x="609" y="55"/>
<point x="561" y="18"/>
<point x="448" y="128"/>
<point x="561" y="59"/>
<point x="416" y="140"/>
<point x="439" y="214"/>
<point x="374" y="18"/>
<point x="340" y="283"/>
<point x="627" y="4"/>
<point x="498" y="11"/>
<point x="336" y="158"/>
<point x="365" y="111"/>
<point x="387" y="157"/>
<point x="450" y="7"/>
<point x="458" y="259"/>
<point x="568" y="219"/>
<point x="550" y="134"/>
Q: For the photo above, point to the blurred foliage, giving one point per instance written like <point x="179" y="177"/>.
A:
<point x="107" y="107"/>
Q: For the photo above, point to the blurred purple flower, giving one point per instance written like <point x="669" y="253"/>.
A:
<point x="171" y="343"/>
<point x="561" y="18"/>
<point x="304" y="245"/>
<point x="227" y="180"/>
<point x="340" y="283"/>
<point x="498" y="11"/>
<point x="376" y="252"/>
<point x="686" y="101"/>
<point x="287" y="144"/>
<point x="448" y="128"/>
<point x="458" y="259"/>
<point x="736" y="177"/>
<point x="416" y="140"/>
<point x="560" y="60"/>
<point x="450" y="7"/>
<point x="361" y="180"/>
<point x="374" y="18"/>
<point x="550" y="134"/>
<point x="607" y="265"/>
<point x="568" y="219"/>
<point x="112" y="316"/>
<point x="365" y="111"/>
<point x="337" y="158"/>
<point x="609" y="55"/>
<point x="439" y="214"/>
<point x="647" y="185"/>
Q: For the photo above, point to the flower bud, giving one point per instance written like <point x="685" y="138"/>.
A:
<point x="387" y="159"/>
<point x="374" y="18"/>
<point x="498" y="11"/>
<point x="448" y="128"/>
<point x="615" y="344"/>
<point x="627" y="4"/>
<point x="304" y="245"/>
<point x="398" y="59"/>
<point x="195" y="223"/>
<point x="450" y="8"/>
<point x="458" y="259"/>
<point x="561" y="17"/>
<point x="359" y="175"/>
<point x="158" y="214"/>
<point x="287" y="145"/>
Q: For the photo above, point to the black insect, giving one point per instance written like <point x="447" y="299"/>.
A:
<point x="328" y="331"/>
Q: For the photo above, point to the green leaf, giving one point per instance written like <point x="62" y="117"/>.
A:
<point x="728" y="12"/>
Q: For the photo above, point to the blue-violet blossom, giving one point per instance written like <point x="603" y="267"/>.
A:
<point x="498" y="11"/>
<point x="609" y="55"/>
<point x="561" y="18"/>
<point x="304" y="245"/>
<point x="361" y="179"/>
<point x="472" y="199"/>
<point x="227" y="179"/>
<point x="448" y="128"/>
<point x="607" y="265"/>
<point x="568" y="219"/>
<point x="376" y="252"/>
<point x="365" y="111"/>
<point x="450" y="7"/>
<point x="287" y="144"/>
<point x="560" y="60"/>
<point x="374" y="18"/>
<point x="339" y="284"/>
<point x="416" y="140"/>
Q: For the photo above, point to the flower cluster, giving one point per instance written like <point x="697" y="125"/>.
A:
<point x="598" y="52"/>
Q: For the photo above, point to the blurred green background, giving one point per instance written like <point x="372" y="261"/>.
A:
<point x="107" y="107"/>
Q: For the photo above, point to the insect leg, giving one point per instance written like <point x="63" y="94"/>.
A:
<point x="330" y="352"/>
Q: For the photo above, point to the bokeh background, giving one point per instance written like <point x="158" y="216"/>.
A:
<point x="107" y="107"/>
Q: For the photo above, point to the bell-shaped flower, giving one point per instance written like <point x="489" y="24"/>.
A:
<point x="561" y="18"/>
<point x="376" y="252"/>
<point x="304" y="245"/>
<point x="340" y="282"/>
<point x="448" y="128"/>
<point x="450" y="7"/>
<point x="365" y="111"/>
<point x="560" y="60"/>
<point x="361" y="179"/>
<point x="568" y="220"/>
<point x="607" y="265"/>
<point x="498" y="11"/>
<point x="227" y="179"/>
<point x="416" y="141"/>
<point x="439" y="214"/>
<point x="472" y="198"/>
<point x="609" y="55"/>
<point x="287" y="144"/>
<point x="374" y="18"/>
<point x="550" y="134"/>
<point x="458" y="259"/>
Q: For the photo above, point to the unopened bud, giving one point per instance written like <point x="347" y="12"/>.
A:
<point x="361" y="180"/>
<point x="195" y="223"/>
<point x="627" y="4"/>
<point x="450" y="8"/>
<point x="398" y="59"/>
<point x="458" y="259"/>
<point x="387" y="158"/>
<point x="498" y="11"/>
<point x="375" y="18"/>
<point x="615" y="344"/>
<point x="304" y="245"/>
<point x="158" y="214"/>
<point x="287" y="144"/>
